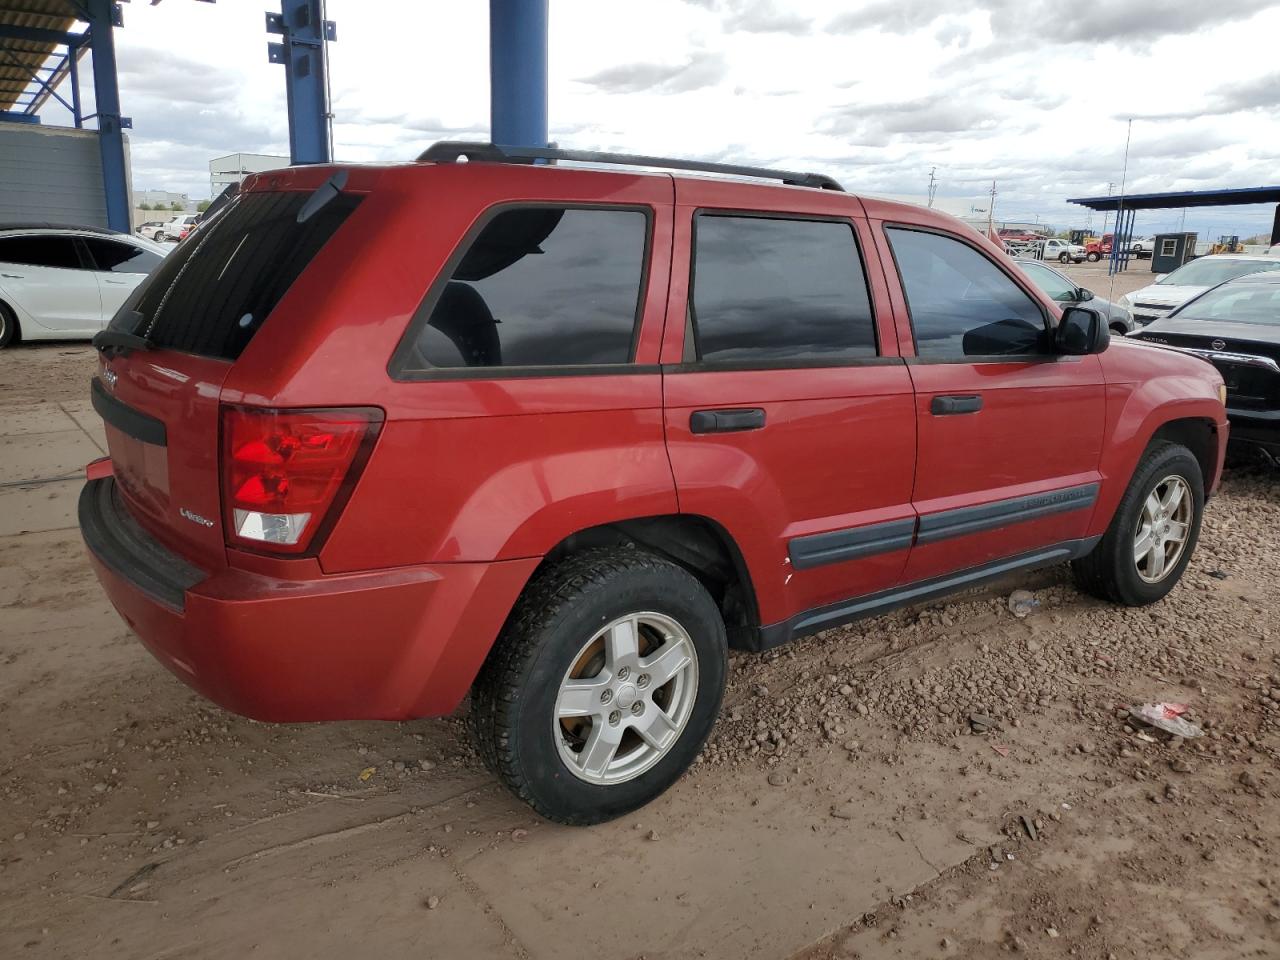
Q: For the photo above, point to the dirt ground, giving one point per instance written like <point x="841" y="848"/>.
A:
<point x="849" y="804"/>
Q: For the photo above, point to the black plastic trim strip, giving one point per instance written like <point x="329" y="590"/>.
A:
<point x="852" y="543"/>
<point x="990" y="516"/>
<point x="847" y="611"/>
<point x="127" y="420"/>
<point x="116" y="539"/>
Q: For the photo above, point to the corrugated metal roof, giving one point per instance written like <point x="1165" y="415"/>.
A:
<point x="21" y="59"/>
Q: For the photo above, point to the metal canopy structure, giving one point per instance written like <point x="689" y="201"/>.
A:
<point x="39" y="49"/>
<point x="1124" y="207"/>
<point x="1186" y="198"/>
<point x="34" y="31"/>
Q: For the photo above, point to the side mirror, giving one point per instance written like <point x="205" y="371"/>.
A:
<point x="1082" y="331"/>
<point x="1082" y="295"/>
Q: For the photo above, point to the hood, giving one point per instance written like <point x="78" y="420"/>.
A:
<point x="1165" y="295"/>
<point x="1216" y="330"/>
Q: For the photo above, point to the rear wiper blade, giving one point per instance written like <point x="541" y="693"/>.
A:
<point x="120" y="340"/>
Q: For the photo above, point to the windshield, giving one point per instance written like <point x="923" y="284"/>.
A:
<point x="1237" y="303"/>
<point x="1210" y="271"/>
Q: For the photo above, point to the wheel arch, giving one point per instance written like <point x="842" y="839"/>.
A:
<point x="698" y="544"/>
<point x="1197" y="434"/>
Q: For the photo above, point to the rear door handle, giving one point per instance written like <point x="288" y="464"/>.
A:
<point x="13" y="276"/>
<point x="726" y="421"/>
<point x="949" y="405"/>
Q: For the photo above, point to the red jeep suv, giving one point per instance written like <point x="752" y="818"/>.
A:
<point x="559" y="436"/>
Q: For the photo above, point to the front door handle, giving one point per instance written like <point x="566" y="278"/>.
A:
<point x="950" y="405"/>
<point x="726" y="421"/>
<point x="13" y="276"/>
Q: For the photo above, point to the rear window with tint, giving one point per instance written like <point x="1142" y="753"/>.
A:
<point x="212" y="294"/>
<point x="538" y="287"/>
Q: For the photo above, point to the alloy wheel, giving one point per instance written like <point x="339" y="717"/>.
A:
<point x="626" y="698"/>
<point x="1164" y="524"/>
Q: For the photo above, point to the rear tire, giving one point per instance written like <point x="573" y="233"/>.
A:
<point x="1118" y="569"/>
<point x="8" y="326"/>
<point x="1064" y="258"/>
<point x="581" y="723"/>
<point x="1093" y="258"/>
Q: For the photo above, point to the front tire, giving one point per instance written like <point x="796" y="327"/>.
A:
<point x="603" y="686"/>
<point x="1093" y="257"/>
<point x="1154" y="531"/>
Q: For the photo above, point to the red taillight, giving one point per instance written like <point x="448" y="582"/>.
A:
<point x="284" y="472"/>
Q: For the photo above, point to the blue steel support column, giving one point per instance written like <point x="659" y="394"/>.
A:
<point x="518" y="72"/>
<point x="107" y="96"/>
<point x="306" y="84"/>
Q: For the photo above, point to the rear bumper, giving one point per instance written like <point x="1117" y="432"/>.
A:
<point x="389" y="645"/>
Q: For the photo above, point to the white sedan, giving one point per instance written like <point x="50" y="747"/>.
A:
<point x="65" y="283"/>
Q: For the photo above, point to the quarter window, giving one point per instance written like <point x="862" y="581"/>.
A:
<point x="540" y="287"/>
<point x="961" y="304"/>
<point x="778" y="291"/>
<point x="113" y="256"/>
<point x="40" y="250"/>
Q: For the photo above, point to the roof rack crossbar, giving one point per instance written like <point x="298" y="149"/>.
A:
<point x="450" y="151"/>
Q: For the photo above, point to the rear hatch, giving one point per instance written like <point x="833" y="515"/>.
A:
<point x="159" y="396"/>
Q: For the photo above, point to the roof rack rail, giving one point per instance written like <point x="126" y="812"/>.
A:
<point x="450" y="151"/>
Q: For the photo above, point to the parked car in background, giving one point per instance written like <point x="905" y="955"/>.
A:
<point x="173" y="229"/>
<point x="66" y="282"/>
<point x="1142" y="247"/>
<point x="583" y="580"/>
<point x="1172" y="290"/>
<point x="1067" y="293"/>
<point x="1062" y="251"/>
<point x="150" y="228"/>
<point x="1236" y="327"/>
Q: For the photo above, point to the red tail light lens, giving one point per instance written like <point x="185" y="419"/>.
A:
<point x="286" y="473"/>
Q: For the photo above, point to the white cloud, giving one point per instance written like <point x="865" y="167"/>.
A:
<point x="1032" y="93"/>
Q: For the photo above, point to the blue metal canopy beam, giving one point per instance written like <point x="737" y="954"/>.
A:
<point x="1187" y="198"/>
<point x="102" y="15"/>
<point x="305" y="57"/>
<point x="518" y="72"/>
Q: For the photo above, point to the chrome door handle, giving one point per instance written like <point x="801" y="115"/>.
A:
<point x="13" y="276"/>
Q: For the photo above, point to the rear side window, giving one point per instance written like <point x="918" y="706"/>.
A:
<point x="116" y="257"/>
<point x="777" y="291"/>
<point x="538" y="287"/>
<point x="40" y="251"/>
<point x="962" y="304"/>
<point x="215" y="290"/>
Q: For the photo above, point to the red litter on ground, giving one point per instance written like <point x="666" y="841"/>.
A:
<point x="1166" y="717"/>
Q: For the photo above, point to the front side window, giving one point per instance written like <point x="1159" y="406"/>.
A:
<point x="40" y="250"/>
<point x="778" y="292"/>
<point x="1050" y="281"/>
<point x="961" y="304"/>
<point x="114" y="256"/>
<point x="538" y="287"/>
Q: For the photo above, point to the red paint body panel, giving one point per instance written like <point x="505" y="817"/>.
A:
<point x="375" y="646"/>
<point x="472" y="481"/>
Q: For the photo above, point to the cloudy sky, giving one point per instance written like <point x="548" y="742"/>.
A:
<point x="1033" y="93"/>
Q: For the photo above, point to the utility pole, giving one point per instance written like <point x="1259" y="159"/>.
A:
<point x="991" y="208"/>
<point x="1106" y="216"/>
<point x="933" y="186"/>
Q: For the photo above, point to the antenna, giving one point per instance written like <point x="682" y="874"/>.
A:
<point x="1116" y="241"/>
